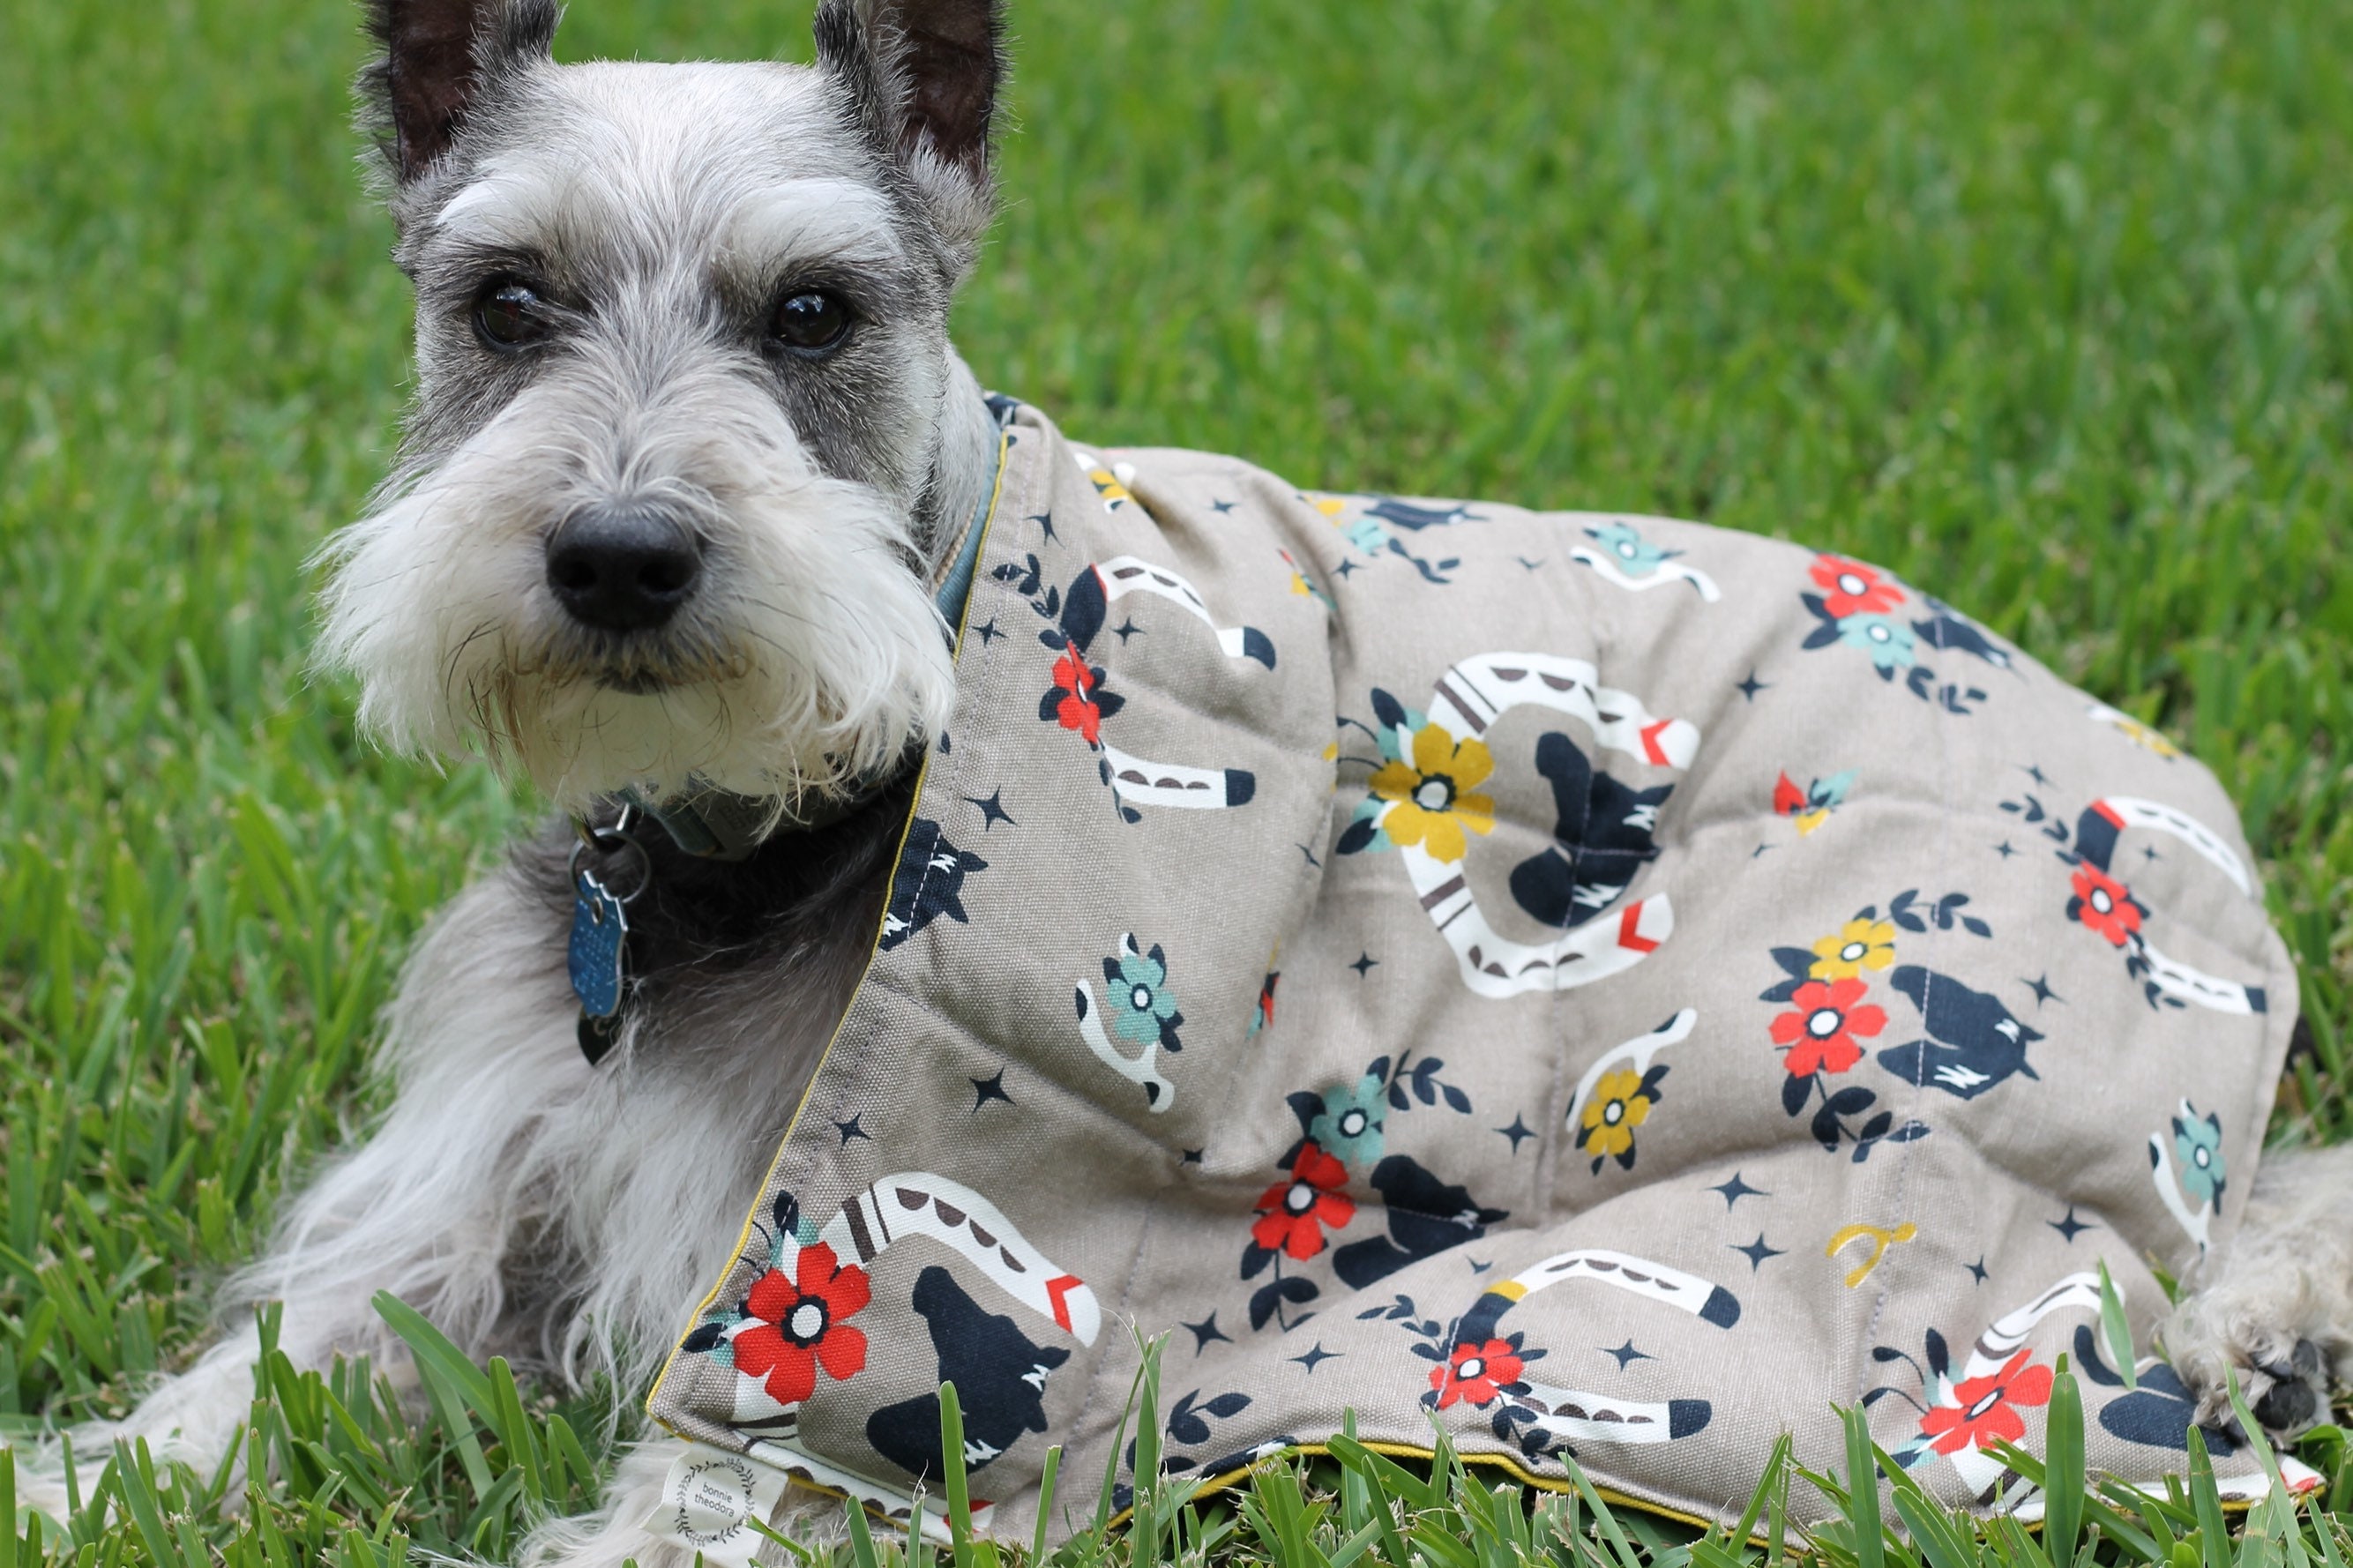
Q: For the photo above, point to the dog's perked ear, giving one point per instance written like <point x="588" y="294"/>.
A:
<point x="439" y="56"/>
<point x="922" y="77"/>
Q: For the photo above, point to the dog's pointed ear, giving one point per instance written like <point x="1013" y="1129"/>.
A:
<point x="439" y="56"/>
<point x="922" y="79"/>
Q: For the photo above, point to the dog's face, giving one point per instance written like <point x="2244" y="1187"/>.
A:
<point x="663" y="507"/>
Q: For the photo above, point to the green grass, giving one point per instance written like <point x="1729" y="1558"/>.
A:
<point x="2044" y="306"/>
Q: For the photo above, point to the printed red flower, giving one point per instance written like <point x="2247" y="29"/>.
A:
<point x="1293" y="1214"/>
<point x="803" y="1325"/>
<point x="1820" y="1034"/>
<point x="1987" y="1412"/>
<point x="1850" y="588"/>
<point x="1476" y="1372"/>
<point x="2106" y="905"/>
<point x="1078" y="709"/>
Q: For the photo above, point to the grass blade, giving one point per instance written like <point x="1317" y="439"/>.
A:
<point x="8" y="1508"/>
<point x="958" y="1482"/>
<point x="1046" y="1479"/>
<point x="1863" y="1491"/>
<point x="861" y="1536"/>
<point x="2213" y="1528"/>
<point x="2115" y="1331"/>
<point x="2062" y="1469"/>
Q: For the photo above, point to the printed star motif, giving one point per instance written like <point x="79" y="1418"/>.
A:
<point x="2069" y="1225"/>
<point x="1515" y="1131"/>
<point x="1626" y="1353"/>
<point x="987" y="631"/>
<point x="2034" y="772"/>
<point x="1207" y="1332"/>
<point x="1045" y="520"/>
<point x="992" y="810"/>
<point x="1756" y="1252"/>
<point x="1749" y="688"/>
<point x="1736" y="1189"/>
<point x="1978" y="1268"/>
<point x="2148" y="852"/>
<point x="1316" y="1356"/>
<point x="851" y="1128"/>
<point x="1221" y="506"/>
<point x="1526" y="564"/>
<point x="984" y="1089"/>
<point x="2041" y="987"/>
<point x="1365" y="964"/>
<point x="1346" y="568"/>
<point x="1309" y="853"/>
<point x="1124" y="630"/>
<point x="1758" y="852"/>
<point x="1479" y="1267"/>
<point x="2003" y="850"/>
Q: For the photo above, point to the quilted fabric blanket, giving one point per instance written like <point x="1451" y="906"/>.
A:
<point x="1607" y="986"/>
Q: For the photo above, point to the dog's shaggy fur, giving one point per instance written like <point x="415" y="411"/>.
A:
<point x="659" y="213"/>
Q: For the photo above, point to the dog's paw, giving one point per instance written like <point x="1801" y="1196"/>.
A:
<point x="2264" y="1333"/>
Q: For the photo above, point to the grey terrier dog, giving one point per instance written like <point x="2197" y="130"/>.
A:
<point x="689" y="464"/>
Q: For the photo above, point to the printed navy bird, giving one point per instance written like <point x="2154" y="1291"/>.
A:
<point x="1605" y="830"/>
<point x="1407" y="515"/>
<point x="1946" y="628"/>
<point x="1973" y="1042"/>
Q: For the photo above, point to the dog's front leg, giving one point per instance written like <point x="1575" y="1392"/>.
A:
<point x="435" y="1208"/>
<point x="2275" y="1304"/>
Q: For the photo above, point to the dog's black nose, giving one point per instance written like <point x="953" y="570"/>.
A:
<point x="622" y="570"/>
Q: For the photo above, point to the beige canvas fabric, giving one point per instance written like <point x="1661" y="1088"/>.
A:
<point x="1612" y="986"/>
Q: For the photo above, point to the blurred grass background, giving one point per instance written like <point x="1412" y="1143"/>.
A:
<point x="2044" y="306"/>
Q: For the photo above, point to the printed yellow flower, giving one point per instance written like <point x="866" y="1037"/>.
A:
<point x="1860" y="944"/>
<point x="1432" y="800"/>
<point x="1616" y="1108"/>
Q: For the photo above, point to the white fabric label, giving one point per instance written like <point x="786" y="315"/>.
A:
<point x="710" y="1501"/>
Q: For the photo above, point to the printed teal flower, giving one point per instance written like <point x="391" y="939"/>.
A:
<point x="2198" y="1145"/>
<point x="1889" y="643"/>
<point x="1367" y="535"/>
<point x="1636" y="556"/>
<point x="1349" y="1125"/>
<point x="1143" y="1008"/>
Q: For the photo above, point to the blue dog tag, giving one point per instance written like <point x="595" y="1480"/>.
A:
<point x="593" y="956"/>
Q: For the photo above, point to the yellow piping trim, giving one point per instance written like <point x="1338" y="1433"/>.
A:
<point x="1505" y="1463"/>
<point x="743" y="1237"/>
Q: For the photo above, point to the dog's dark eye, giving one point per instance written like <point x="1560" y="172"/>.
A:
<point x="810" y="320"/>
<point x="510" y="314"/>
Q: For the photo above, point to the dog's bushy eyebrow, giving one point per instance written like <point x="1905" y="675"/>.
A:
<point x="530" y="208"/>
<point x="460" y="266"/>
<point x="801" y="221"/>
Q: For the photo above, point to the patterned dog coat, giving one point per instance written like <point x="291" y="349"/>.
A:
<point x="1611" y="987"/>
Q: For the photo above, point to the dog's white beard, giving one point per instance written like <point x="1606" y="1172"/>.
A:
<point x="810" y="656"/>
